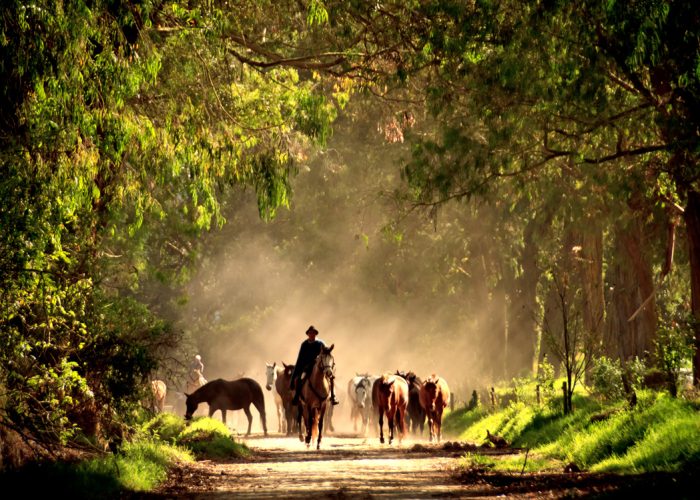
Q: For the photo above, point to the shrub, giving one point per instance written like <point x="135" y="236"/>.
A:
<point x="211" y="438"/>
<point x="606" y="379"/>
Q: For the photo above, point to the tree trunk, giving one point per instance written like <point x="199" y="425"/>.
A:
<point x="590" y="272"/>
<point x="522" y="327"/>
<point x="631" y="279"/>
<point x="692" y="224"/>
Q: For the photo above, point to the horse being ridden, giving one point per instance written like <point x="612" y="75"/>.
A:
<point x="308" y="353"/>
<point x="195" y="377"/>
<point x="158" y="392"/>
<point x="315" y="395"/>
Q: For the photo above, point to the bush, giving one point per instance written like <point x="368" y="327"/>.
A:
<point x="606" y="379"/>
<point x="207" y="437"/>
<point x="166" y="427"/>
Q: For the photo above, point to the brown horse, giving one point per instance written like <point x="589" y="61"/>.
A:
<point x="390" y="396"/>
<point x="158" y="391"/>
<point x="225" y="395"/>
<point x="286" y="394"/>
<point x="434" y="398"/>
<point x="315" y="395"/>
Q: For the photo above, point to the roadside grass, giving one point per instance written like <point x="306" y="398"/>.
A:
<point x="211" y="438"/>
<point x="140" y="466"/>
<point x="660" y="434"/>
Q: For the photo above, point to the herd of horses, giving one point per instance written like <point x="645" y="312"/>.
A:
<point x="403" y="398"/>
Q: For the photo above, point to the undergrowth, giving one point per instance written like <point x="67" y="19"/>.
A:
<point x="140" y="465"/>
<point x="660" y="433"/>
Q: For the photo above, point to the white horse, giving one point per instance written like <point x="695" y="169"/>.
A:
<point x="360" y="396"/>
<point x="272" y="371"/>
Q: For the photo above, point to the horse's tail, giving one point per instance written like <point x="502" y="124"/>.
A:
<point x="258" y="400"/>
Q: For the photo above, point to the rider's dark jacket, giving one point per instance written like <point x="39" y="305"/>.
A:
<point x="307" y="355"/>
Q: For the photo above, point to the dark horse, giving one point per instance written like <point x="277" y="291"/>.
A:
<point x="286" y="394"/>
<point x="315" y="395"/>
<point x="225" y="395"/>
<point x="415" y="414"/>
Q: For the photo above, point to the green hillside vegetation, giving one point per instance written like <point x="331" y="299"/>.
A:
<point x="660" y="433"/>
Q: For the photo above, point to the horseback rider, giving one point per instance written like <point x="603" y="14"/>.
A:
<point x="308" y="352"/>
<point x="197" y="364"/>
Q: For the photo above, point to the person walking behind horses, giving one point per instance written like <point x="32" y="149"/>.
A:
<point x="308" y="352"/>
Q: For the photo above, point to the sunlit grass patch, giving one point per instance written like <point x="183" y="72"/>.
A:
<point x="165" y="426"/>
<point x="527" y="462"/>
<point x="208" y="437"/>
<point x="456" y="422"/>
<point x="666" y="446"/>
<point x="143" y="464"/>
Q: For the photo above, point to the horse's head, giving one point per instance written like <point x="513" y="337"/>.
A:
<point x="326" y="362"/>
<point x="362" y="391"/>
<point x="190" y="406"/>
<point x="431" y="388"/>
<point x="271" y="374"/>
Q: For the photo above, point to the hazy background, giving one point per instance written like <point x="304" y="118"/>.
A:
<point x="389" y="297"/>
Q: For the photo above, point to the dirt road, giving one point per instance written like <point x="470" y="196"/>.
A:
<point x="351" y="467"/>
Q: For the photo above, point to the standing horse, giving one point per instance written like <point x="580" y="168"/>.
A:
<point x="286" y="395"/>
<point x="360" y="397"/>
<point x="225" y="395"/>
<point x="315" y="395"/>
<point x="390" y="396"/>
<point x="272" y="371"/>
<point x="158" y="391"/>
<point x="415" y="414"/>
<point x="434" y="398"/>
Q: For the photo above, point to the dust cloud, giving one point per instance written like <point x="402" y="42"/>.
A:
<point x="328" y="262"/>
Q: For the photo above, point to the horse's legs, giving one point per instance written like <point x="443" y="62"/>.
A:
<point x="310" y="415"/>
<point x="321" y="417"/>
<point x="390" y="416"/>
<point x="381" y="426"/>
<point x="249" y="416"/>
<point x="260" y="406"/>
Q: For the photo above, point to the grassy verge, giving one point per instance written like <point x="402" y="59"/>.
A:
<point x="660" y="434"/>
<point x="140" y="466"/>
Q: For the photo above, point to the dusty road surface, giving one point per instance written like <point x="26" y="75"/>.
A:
<point x="345" y="466"/>
<point x="351" y="467"/>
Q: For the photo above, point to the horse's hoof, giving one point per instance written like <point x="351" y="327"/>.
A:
<point x="381" y="440"/>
